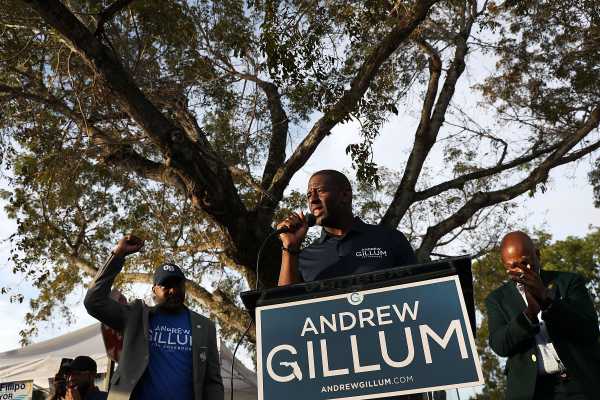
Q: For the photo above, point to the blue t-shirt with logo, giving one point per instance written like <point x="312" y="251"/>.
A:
<point x="169" y="371"/>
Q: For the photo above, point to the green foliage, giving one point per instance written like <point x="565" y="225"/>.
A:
<point x="549" y="54"/>
<point x="594" y="177"/>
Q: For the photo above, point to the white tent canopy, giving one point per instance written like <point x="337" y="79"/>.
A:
<point x="40" y="361"/>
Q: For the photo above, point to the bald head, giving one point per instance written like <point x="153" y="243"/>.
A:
<point x="518" y="250"/>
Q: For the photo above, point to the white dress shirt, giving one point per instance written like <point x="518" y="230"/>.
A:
<point x="548" y="361"/>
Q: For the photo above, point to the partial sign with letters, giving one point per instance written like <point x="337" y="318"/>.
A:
<point x="369" y="344"/>
<point x="20" y="390"/>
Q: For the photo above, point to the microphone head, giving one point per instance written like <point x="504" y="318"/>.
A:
<point x="311" y="220"/>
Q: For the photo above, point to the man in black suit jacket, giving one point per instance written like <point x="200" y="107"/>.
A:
<point x="546" y="324"/>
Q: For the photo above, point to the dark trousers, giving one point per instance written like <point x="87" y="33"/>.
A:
<point x="557" y="387"/>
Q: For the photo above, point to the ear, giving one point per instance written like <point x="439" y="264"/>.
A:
<point x="347" y="196"/>
<point x="539" y="260"/>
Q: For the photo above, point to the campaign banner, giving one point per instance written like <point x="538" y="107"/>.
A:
<point x="21" y="390"/>
<point x="376" y="343"/>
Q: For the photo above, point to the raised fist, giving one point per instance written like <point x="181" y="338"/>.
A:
<point x="129" y="244"/>
<point x="298" y="226"/>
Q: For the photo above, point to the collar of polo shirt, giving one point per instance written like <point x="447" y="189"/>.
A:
<point x="357" y="226"/>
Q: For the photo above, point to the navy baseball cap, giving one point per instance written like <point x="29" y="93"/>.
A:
<point x="81" y="364"/>
<point x="167" y="271"/>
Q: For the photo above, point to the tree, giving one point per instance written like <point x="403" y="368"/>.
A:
<point x="573" y="254"/>
<point x="185" y="121"/>
<point x="594" y="177"/>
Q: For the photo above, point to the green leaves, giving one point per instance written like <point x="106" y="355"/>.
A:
<point x="548" y="61"/>
<point x="362" y="157"/>
<point x="594" y="177"/>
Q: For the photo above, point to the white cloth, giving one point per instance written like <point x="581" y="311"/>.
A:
<point x="548" y="361"/>
<point x="40" y="361"/>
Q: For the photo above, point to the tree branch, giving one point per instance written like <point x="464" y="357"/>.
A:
<point x="103" y="61"/>
<point x="537" y="175"/>
<point x="435" y="70"/>
<point x="114" y="151"/>
<point x="125" y="158"/>
<point x="481" y="132"/>
<point x="108" y="13"/>
<point x="208" y="181"/>
<point x="87" y="266"/>
<point x="459" y="182"/>
<point x="279" y="124"/>
<point x="347" y="103"/>
<point x="429" y="127"/>
<point x="279" y="132"/>
<point x="246" y="177"/>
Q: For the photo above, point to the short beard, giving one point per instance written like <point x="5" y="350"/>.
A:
<point x="330" y="221"/>
<point x="170" y="307"/>
<point x="84" y="388"/>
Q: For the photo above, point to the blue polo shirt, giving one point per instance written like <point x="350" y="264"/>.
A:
<point x="364" y="248"/>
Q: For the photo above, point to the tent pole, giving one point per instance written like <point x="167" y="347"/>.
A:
<point x="110" y="370"/>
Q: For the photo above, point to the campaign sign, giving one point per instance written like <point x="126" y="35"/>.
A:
<point x="370" y="344"/>
<point x="21" y="390"/>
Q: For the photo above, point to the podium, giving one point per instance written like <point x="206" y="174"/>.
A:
<point x="391" y="332"/>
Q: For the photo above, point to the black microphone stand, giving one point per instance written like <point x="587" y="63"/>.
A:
<point x="310" y="221"/>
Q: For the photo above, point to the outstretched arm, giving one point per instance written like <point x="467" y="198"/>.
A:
<point x="97" y="299"/>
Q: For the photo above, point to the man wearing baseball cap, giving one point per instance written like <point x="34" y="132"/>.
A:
<point x="169" y="351"/>
<point x="81" y="375"/>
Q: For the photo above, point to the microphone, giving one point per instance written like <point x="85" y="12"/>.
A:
<point x="311" y="220"/>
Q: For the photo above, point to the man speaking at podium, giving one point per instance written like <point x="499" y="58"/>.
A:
<point x="347" y="245"/>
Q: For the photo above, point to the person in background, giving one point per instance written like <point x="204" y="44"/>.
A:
<point x="546" y="324"/>
<point x="59" y="387"/>
<point x="80" y="377"/>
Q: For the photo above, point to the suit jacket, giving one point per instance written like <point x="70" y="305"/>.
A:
<point x="132" y="320"/>
<point x="572" y="325"/>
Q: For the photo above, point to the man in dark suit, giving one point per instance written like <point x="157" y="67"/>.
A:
<point x="546" y="324"/>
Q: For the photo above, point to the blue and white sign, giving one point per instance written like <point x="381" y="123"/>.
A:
<point x="370" y="344"/>
<point x="21" y="390"/>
